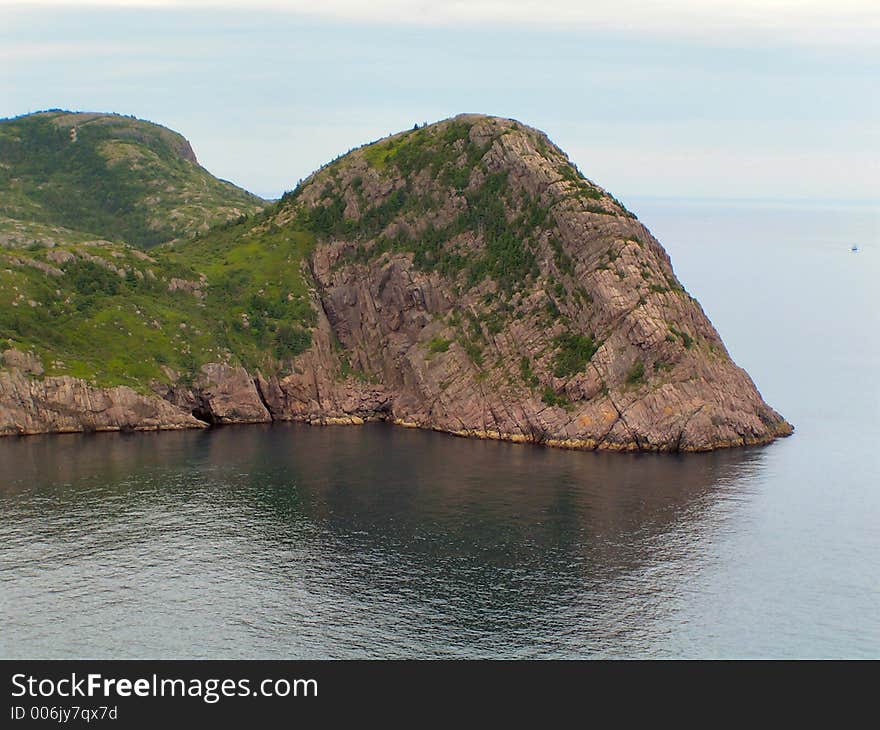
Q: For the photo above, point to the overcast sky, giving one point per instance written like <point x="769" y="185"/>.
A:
<point x="708" y="98"/>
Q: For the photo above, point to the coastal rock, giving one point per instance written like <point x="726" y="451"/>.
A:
<point x="318" y="391"/>
<point x="463" y="277"/>
<point x="576" y="333"/>
<point x="226" y="394"/>
<point x="64" y="404"/>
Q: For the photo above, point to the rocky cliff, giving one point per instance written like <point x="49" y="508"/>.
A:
<point x="463" y="277"/>
<point x="30" y="404"/>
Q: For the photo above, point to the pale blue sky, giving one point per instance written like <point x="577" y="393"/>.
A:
<point x="663" y="103"/>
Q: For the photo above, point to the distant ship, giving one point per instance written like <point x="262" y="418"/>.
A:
<point x="855" y="248"/>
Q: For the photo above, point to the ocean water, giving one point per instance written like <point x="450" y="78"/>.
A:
<point x="291" y="541"/>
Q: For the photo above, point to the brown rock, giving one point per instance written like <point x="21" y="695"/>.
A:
<point x="65" y="404"/>
<point x="660" y="380"/>
<point x="227" y="394"/>
<point x="594" y="344"/>
<point x="60" y="256"/>
<point x="25" y="361"/>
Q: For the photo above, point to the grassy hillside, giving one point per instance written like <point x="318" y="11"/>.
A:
<point x="109" y="176"/>
<point x="113" y="314"/>
<point x="80" y="196"/>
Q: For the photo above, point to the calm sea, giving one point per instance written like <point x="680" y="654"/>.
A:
<point x="296" y="542"/>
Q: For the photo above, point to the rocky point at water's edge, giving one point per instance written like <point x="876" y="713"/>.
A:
<point x="559" y="321"/>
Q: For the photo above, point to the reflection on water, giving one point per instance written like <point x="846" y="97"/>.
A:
<point x="311" y="542"/>
<point x="291" y="541"/>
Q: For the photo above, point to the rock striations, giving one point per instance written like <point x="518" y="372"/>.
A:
<point x="464" y="277"/>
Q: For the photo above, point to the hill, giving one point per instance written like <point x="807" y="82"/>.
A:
<point x="464" y="277"/>
<point x="107" y="176"/>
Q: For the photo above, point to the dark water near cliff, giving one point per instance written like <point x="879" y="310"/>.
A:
<point x="291" y="541"/>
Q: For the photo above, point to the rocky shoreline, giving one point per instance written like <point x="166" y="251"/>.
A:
<point x="31" y="404"/>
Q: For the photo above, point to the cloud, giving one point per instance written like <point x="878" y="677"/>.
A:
<point x="51" y="50"/>
<point x="725" y="21"/>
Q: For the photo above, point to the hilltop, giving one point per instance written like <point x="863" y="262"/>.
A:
<point x="462" y="276"/>
<point x="74" y="176"/>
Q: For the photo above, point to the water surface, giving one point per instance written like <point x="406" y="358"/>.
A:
<point x="290" y="541"/>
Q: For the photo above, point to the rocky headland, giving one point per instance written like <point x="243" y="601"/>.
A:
<point x="463" y="277"/>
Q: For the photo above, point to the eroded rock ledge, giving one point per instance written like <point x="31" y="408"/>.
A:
<point x="30" y="404"/>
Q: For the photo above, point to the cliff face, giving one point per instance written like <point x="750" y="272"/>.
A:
<point x="65" y="404"/>
<point x="465" y="277"/>
<point x="476" y="283"/>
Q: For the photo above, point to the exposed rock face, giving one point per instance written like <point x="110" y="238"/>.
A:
<point x="65" y="404"/>
<point x="574" y="332"/>
<point x="222" y="394"/>
<point x="467" y="279"/>
<point x="317" y="393"/>
<point x="24" y="361"/>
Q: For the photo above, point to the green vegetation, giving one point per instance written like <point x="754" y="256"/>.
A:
<point x="673" y="284"/>
<point x="685" y="338"/>
<point x="94" y="323"/>
<point x="563" y="261"/>
<point x="582" y="296"/>
<point x="505" y="225"/>
<point x="552" y="398"/>
<point x="438" y="150"/>
<point x="291" y="341"/>
<point x="255" y="271"/>
<point x="438" y="344"/>
<point x="528" y="375"/>
<point x="584" y="188"/>
<point x="473" y="350"/>
<point x="551" y="309"/>
<point x="573" y="354"/>
<point x="505" y="257"/>
<point x="347" y="371"/>
<point x="92" y="281"/>
<point x="636" y="374"/>
<point x="114" y="177"/>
